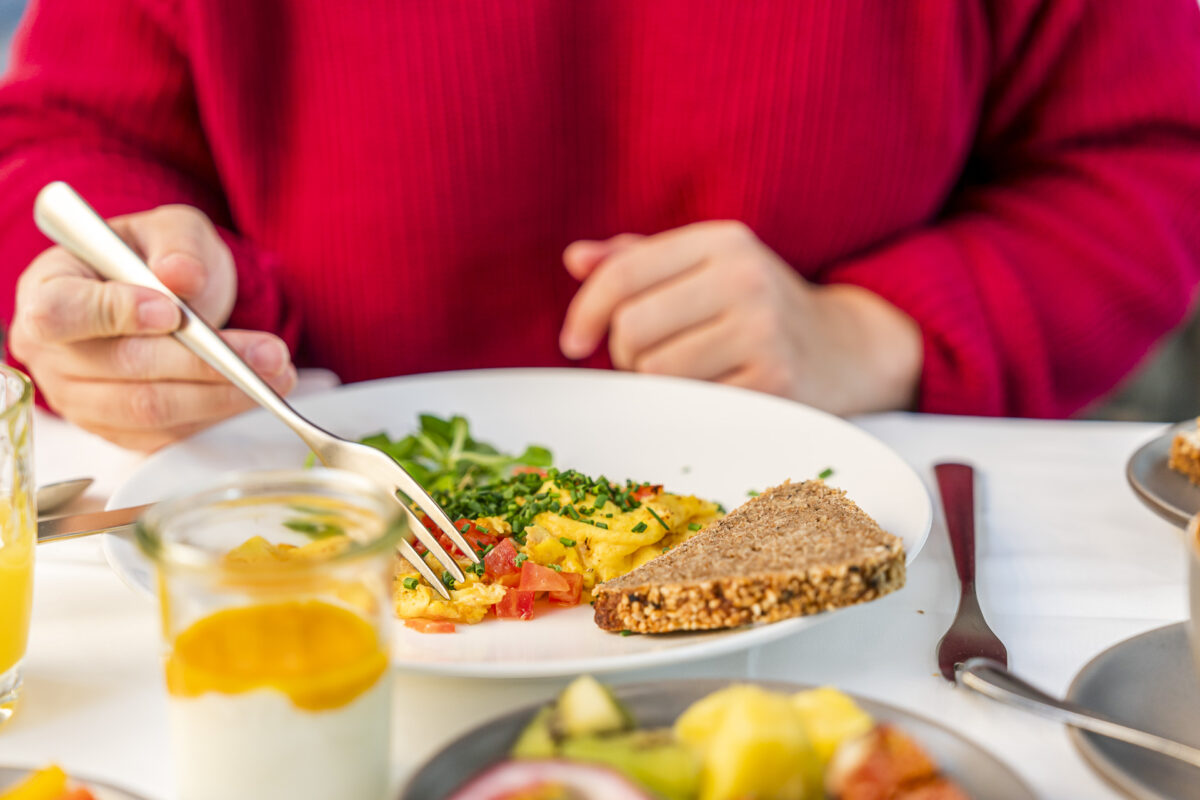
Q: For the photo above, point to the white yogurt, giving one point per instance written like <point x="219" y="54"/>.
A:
<point x="258" y="745"/>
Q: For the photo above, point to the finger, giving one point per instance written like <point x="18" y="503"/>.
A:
<point x="705" y="352"/>
<point x="158" y="406"/>
<point x="635" y="269"/>
<point x="161" y="358"/>
<point x="183" y="249"/>
<point x="68" y="308"/>
<point x="664" y="311"/>
<point x="583" y="256"/>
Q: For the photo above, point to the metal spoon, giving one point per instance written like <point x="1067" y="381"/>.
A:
<point x="54" y="496"/>
<point x="991" y="679"/>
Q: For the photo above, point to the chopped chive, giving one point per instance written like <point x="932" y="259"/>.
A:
<point x="826" y="473"/>
<point x="752" y="493"/>
<point x="520" y="559"/>
<point x="601" y="524"/>
<point x="641" y="526"/>
<point x="410" y="583"/>
<point x="657" y="517"/>
<point x="626" y="632"/>
<point x="566" y="542"/>
<point x="447" y="580"/>
<point x="694" y="526"/>
<point x="487" y="550"/>
<point x="555" y="567"/>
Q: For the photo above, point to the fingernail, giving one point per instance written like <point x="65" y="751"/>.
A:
<point x="157" y="314"/>
<point x="267" y="356"/>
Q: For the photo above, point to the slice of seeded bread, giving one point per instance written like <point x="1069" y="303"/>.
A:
<point x="799" y="548"/>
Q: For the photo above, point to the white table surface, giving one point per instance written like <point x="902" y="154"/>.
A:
<point x="1069" y="564"/>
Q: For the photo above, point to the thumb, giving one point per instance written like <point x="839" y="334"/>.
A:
<point x="183" y="249"/>
<point x="582" y="257"/>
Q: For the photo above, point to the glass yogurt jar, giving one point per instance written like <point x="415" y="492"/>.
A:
<point x="274" y="595"/>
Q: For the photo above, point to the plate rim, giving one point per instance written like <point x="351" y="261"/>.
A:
<point x="1103" y="767"/>
<point x="1164" y="509"/>
<point x="709" y="685"/>
<point x="722" y="642"/>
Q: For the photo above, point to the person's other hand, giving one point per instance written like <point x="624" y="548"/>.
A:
<point x="711" y="301"/>
<point x="101" y="354"/>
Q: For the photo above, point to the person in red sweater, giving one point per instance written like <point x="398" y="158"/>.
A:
<point x="967" y="206"/>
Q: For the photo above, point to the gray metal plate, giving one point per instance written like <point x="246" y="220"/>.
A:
<point x="658" y="704"/>
<point x="1167" y="493"/>
<point x="1149" y="682"/>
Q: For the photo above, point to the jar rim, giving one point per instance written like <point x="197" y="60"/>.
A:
<point x="26" y="398"/>
<point x="266" y="484"/>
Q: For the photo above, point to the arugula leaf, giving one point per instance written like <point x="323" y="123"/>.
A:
<point x="443" y="456"/>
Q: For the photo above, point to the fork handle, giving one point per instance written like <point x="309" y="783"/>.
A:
<point x="991" y="679"/>
<point x="957" y="485"/>
<point x="68" y="220"/>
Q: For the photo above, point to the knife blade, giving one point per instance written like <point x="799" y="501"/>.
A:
<point x="73" y="526"/>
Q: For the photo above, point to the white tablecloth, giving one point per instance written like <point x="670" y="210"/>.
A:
<point x="1069" y="563"/>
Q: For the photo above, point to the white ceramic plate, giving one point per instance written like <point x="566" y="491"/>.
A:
<point x="697" y="438"/>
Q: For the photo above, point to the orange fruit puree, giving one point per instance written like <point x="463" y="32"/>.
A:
<point x="320" y="655"/>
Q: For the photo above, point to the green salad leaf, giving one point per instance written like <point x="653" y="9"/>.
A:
<point x="443" y="456"/>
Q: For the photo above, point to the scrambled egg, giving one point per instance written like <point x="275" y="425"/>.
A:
<point x="631" y="539"/>
<point x="599" y="541"/>
<point x="469" y="600"/>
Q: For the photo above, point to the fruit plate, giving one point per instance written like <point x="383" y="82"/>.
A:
<point x="1163" y="490"/>
<point x="695" y="438"/>
<point x="9" y="776"/>
<point x="659" y="703"/>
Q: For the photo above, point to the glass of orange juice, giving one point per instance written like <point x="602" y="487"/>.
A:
<point x="18" y="519"/>
<point x="275" y="596"/>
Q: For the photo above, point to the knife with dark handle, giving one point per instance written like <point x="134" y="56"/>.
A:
<point x="74" y="526"/>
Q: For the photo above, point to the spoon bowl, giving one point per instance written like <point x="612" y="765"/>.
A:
<point x="54" y="496"/>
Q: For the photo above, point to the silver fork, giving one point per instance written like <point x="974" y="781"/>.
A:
<point x="969" y="635"/>
<point x="68" y="220"/>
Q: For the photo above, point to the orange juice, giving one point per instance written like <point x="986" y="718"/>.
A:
<point x="16" y="586"/>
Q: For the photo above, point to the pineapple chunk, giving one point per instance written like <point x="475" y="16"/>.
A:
<point x="49" y="783"/>
<point x="752" y="744"/>
<point x="830" y="718"/>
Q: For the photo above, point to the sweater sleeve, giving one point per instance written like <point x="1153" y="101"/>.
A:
<point x="98" y="94"/>
<point x="1073" y="241"/>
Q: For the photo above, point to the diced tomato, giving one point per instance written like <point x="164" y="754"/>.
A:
<point x="534" y="470"/>
<point x="646" y="490"/>
<point x="501" y="561"/>
<point x="429" y="625"/>
<point x="574" y="591"/>
<point x="476" y="536"/>
<point x="79" y="793"/>
<point x="515" y="605"/>
<point x="536" y="578"/>
<point x="512" y="579"/>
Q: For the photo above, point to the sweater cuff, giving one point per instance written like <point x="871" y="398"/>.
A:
<point x="926" y="276"/>
<point x="261" y="303"/>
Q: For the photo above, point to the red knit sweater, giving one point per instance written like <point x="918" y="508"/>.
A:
<point x="398" y="179"/>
